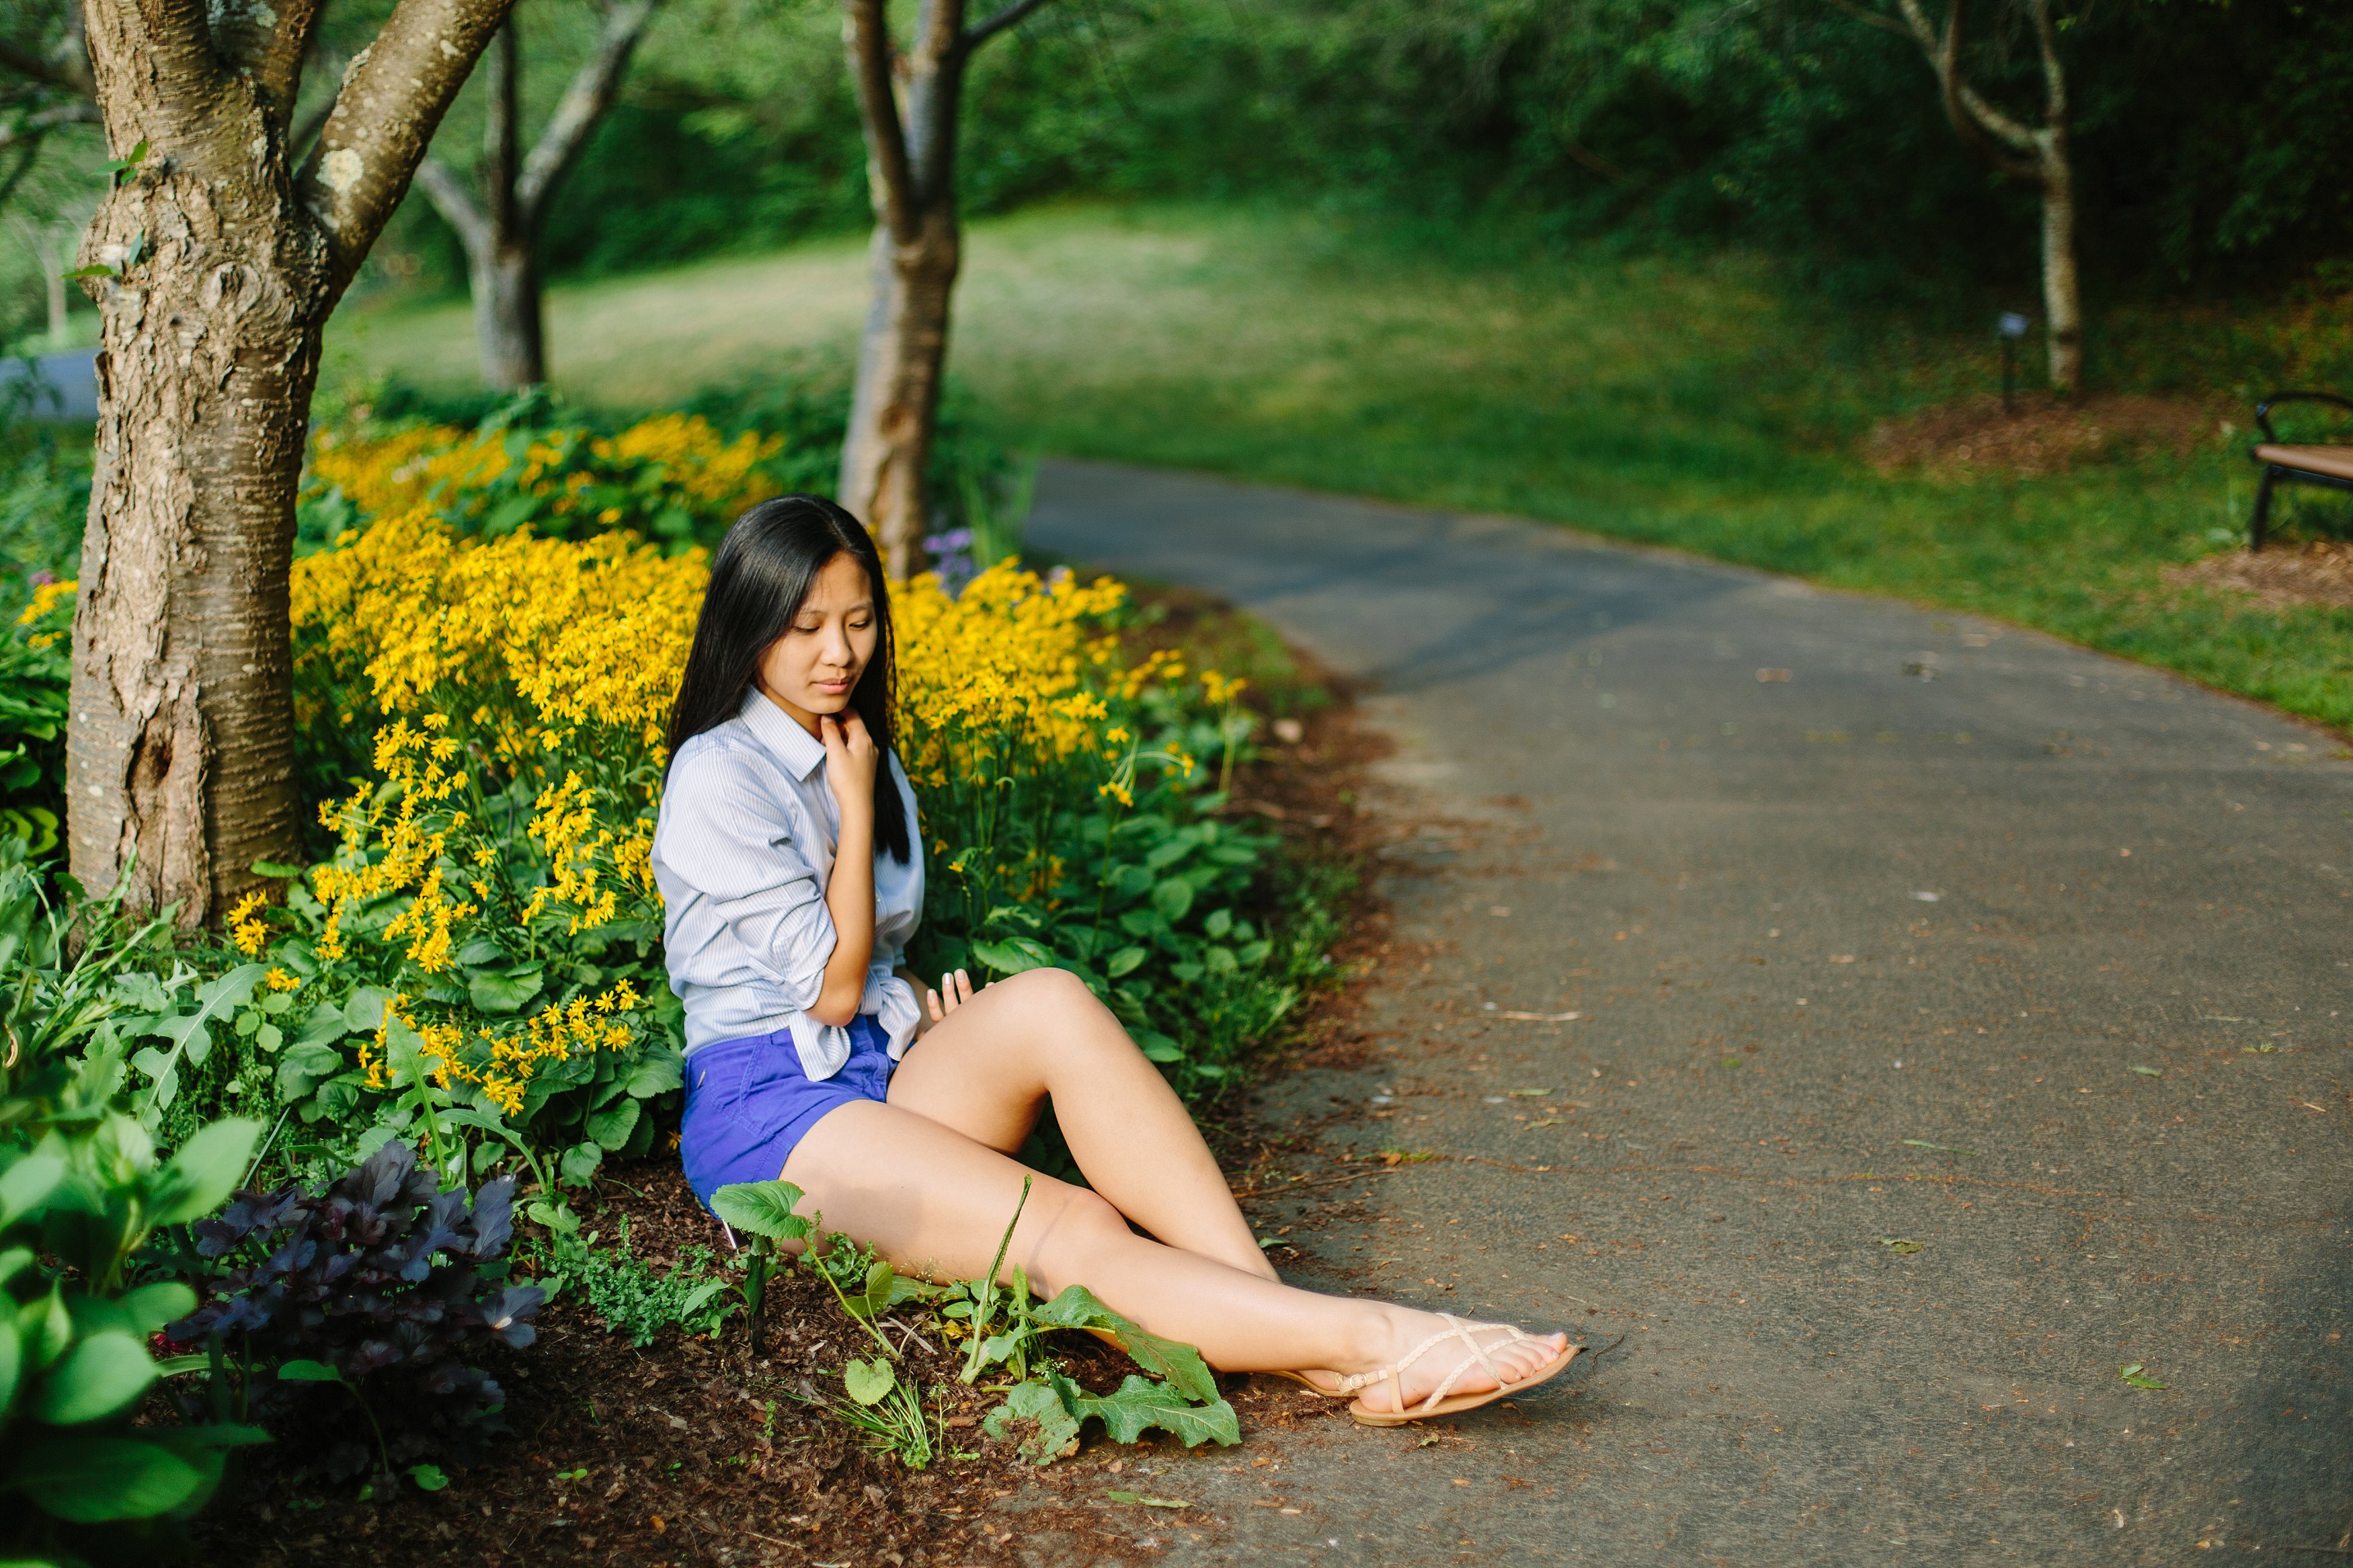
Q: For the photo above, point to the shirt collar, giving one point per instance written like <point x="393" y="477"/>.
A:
<point x="800" y="752"/>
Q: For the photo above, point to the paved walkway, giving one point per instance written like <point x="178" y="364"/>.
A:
<point x="1957" y="1024"/>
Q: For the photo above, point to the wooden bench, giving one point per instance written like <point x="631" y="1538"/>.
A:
<point x="2331" y="467"/>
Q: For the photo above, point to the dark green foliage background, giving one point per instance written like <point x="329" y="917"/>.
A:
<point x="2206" y="134"/>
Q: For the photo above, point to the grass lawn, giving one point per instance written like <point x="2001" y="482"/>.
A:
<point x="1696" y="403"/>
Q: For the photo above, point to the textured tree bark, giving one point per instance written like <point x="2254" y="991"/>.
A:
<point x="895" y="406"/>
<point x="2063" y="305"/>
<point x="222" y="263"/>
<point x="909" y="104"/>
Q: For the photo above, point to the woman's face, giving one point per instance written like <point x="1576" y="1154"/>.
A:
<point x="812" y="668"/>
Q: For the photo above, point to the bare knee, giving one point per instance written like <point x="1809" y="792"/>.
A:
<point x="1075" y="1228"/>
<point x="1049" y="989"/>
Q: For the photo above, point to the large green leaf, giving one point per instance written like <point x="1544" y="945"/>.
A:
<point x="611" y="1127"/>
<point x="1013" y="956"/>
<point x="12" y="1360"/>
<point x="1173" y="898"/>
<point x="203" y="1172"/>
<point x="1125" y="961"/>
<point x="90" y="1480"/>
<point x="503" y="992"/>
<point x="762" y="1208"/>
<point x="1141" y="1404"/>
<point x="98" y="1377"/>
<point x="580" y="1163"/>
<point x="1181" y="1363"/>
<point x="306" y="1065"/>
<point x="150" y="1307"/>
<point x="26" y="1183"/>
<point x="659" y="1071"/>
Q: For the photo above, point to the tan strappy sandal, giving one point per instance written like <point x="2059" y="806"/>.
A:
<point x="1441" y="1401"/>
<point x="1310" y="1384"/>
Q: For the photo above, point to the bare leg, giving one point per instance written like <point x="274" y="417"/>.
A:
<point x="934" y="1202"/>
<point x="987" y="1069"/>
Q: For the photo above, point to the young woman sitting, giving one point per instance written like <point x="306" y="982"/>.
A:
<point x="790" y="862"/>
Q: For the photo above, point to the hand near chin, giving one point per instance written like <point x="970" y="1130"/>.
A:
<point x="850" y="760"/>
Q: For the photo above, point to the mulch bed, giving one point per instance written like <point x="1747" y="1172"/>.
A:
<point x="692" y="1451"/>
<point x="2319" y="573"/>
<point x="2046" y="435"/>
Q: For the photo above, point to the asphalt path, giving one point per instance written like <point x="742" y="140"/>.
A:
<point x="1956" y="1025"/>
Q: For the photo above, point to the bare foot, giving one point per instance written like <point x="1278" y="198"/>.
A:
<point x="1454" y="1364"/>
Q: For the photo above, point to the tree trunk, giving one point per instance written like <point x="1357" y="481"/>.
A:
<point x="888" y="447"/>
<point x="508" y="319"/>
<point x="221" y="263"/>
<point x="2062" y="306"/>
<point x="179" y="755"/>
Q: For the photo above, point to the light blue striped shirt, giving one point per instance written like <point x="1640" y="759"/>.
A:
<point x="742" y="852"/>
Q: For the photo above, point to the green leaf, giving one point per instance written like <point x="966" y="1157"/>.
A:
<point x="1219" y="924"/>
<point x="1125" y="961"/>
<point x="1142" y="1404"/>
<point x="659" y="1071"/>
<point x="11" y="1361"/>
<point x="152" y="1306"/>
<point x="762" y="1208"/>
<point x="611" y="1127"/>
<point x="325" y="1027"/>
<point x="1045" y="1405"/>
<point x="879" y="1280"/>
<point x="428" y="1478"/>
<point x="274" y="869"/>
<point x="1007" y="957"/>
<point x="503" y="992"/>
<point x="1173" y="898"/>
<point x="203" y="1172"/>
<point x="90" y="1480"/>
<point x="25" y="1183"/>
<point x="1159" y="1046"/>
<point x="869" y="1382"/>
<point x="363" y="1010"/>
<point x="304" y="1067"/>
<point x="1181" y="1363"/>
<point x="98" y="1377"/>
<point x="580" y="1163"/>
<point x="308" y="1371"/>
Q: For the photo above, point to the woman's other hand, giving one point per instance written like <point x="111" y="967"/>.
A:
<point x="955" y="990"/>
<point x="851" y="761"/>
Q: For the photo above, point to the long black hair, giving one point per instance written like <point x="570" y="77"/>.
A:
<point x="762" y="573"/>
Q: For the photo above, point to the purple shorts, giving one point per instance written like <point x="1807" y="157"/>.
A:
<point x="748" y="1102"/>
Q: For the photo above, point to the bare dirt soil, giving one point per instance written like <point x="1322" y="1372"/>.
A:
<point x="2046" y="435"/>
<point x="2318" y="573"/>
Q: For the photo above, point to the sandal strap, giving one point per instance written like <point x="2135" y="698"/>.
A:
<point x="1456" y="1329"/>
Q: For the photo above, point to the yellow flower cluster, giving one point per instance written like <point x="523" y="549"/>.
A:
<point x="412" y="467"/>
<point x="587" y="633"/>
<point x="999" y="677"/>
<point x="580" y="846"/>
<point x="46" y="599"/>
<point x="503" y="1065"/>
<point x="247" y="929"/>
<point x="394" y="840"/>
<point x="461" y="473"/>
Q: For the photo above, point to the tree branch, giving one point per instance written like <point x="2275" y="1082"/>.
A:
<point x="268" y="44"/>
<point x="393" y="98"/>
<point x="1978" y="124"/>
<point x="866" y="29"/>
<point x="456" y="204"/>
<point x="584" y="103"/>
<point x="2054" y="77"/>
<point x="1012" y="16"/>
<point x="1863" y="13"/>
<point x="41" y="121"/>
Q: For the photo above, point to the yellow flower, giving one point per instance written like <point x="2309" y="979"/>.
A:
<point x="44" y="599"/>
<point x="281" y="981"/>
<point x="247" y="928"/>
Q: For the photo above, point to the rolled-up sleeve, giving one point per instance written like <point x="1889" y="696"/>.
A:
<point x="746" y="906"/>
